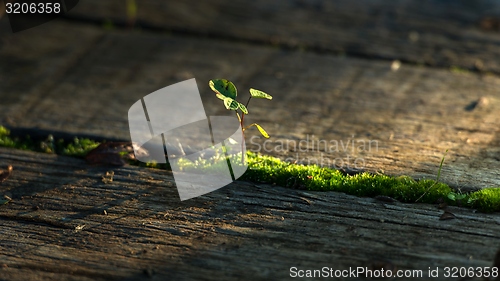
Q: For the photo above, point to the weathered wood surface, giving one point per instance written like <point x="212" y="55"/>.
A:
<point x="82" y="79"/>
<point x="55" y="228"/>
<point x="435" y="33"/>
<point x="78" y="78"/>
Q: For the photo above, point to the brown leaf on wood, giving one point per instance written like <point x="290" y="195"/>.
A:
<point x="105" y="158"/>
<point x="112" y="153"/>
<point x="447" y="216"/>
<point x="5" y="174"/>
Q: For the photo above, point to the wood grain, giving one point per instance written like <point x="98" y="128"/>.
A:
<point x="55" y="228"/>
<point x="435" y="33"/>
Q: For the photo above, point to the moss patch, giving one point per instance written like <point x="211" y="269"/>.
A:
<point x="267" y="169"/>
<point x="403" y="188"/>
<point x="78" y="147"/>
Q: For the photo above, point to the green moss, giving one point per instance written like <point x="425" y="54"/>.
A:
<point x="486" y="200"/>
<point x="312" y="177"/>
<point x="267" y="169"/>
<point x="7" y="141"/>
<point x="78" y="147"/>
<point x="405" y="189"/>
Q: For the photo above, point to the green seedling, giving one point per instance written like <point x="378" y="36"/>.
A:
<point x="456" y="196"/>
<point x="226" y="91"/>
<point x="460" y="197"/>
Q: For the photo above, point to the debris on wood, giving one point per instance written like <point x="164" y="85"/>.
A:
<point x="113" y="153"/>
<point x="447" y="216"/>
<point x="79" y="227"/>
<point x="6" y="200"/>
<point x="108" y="178"/>
<point x="306" y="200"/>
<point x="5" y="174"/>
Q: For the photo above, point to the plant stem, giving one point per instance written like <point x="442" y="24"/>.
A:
<point x="243" y="130"/>
<point x="242" y="138"/>
<point x="248" y="101"/>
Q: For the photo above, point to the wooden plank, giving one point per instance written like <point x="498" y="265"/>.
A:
<point x="436" y="33"/>
<point x="55" y="228"/>
<point x="33" y="62"/>
<point x="412" y="116"/>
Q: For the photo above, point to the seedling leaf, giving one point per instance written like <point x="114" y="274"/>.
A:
<point x="243" y="108"/>
<point x="231" y="104"/>
<point x="220" y="96"/>
<point x="261" y="130"/>
<point x="223" y="87"/>
<point x="259" y="94"/>
<point x="447" y="216"/>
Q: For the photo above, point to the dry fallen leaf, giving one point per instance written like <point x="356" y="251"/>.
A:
<point x="113" y="153"/>
<point x="447" y="216"/>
